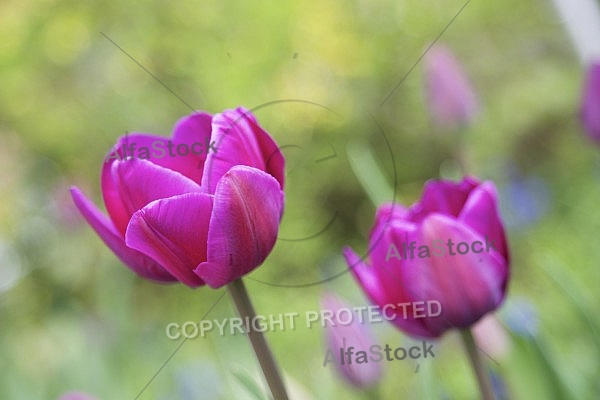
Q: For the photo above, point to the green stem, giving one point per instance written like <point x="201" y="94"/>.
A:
<point x="238" y="292"/>
<point x="458" y="151"/>
<point x="460" y="158"/>
<point x="373" y="393"/>
<point x="483" y="378"/>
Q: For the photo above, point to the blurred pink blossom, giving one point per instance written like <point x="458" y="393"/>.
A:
<point x="76" y="396"/>
<point x="353" y="334"/>
<point x="450" y="96"/>
<point x="590" y="103"/>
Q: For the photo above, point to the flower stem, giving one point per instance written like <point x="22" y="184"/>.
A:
<point x="238" y="292"/>
<point x="461" y="160"/>
<point x="460" y="155"/>
<point x="372" y="393"/>
<point x="483" y="378"/>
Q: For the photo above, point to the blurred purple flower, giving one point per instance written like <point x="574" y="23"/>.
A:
<point x="450" y="95"/>
<point x="354" y="334"/>
<point x="468" y="285"/>
<point x="590" y="103"/>
<point x="76" y="396"/>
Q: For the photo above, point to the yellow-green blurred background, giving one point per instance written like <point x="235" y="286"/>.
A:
<point x="72" y="317"/>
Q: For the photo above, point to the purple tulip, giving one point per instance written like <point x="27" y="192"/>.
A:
<point x="590" y="104"/>
<point x="451" y="98"/>
<point x="350" y="332"/>
<point x="207" y="217"/>
<point x="468" y="284"/>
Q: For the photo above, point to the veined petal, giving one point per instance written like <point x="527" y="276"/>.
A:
<point x="248" y="206"/>
<point x="173" y="232"/>
<point x="139" y="182"/>
<point x="122" y="151"/>
<point x="195" y="132"/>
<point x="241" y="141"/>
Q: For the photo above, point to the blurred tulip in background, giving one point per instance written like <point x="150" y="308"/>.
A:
<point x="590" y="103"/>
<point x="354" y="334"/>
<point x="76" y="396"/>
<point x="467" y="285"/>
<point x="449" y="93"/>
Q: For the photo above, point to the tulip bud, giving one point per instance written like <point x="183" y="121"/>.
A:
<point x="590" y="104"/>
<point x="195" y="217"/>
<point x="355" y="334"/>
<point x="450" y="96"/>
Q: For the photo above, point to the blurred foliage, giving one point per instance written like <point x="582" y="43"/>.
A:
<point x="72" y="317"/>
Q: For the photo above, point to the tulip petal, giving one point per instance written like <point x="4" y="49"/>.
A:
<point x="384" y="285"/>
<point x="173" y="232"/>
<point x="190" y="130"/>
<point x="442" y="196"/>
<point x="195" y="128"/>
<point x="138" y="262"/>
<point x="386" y="214"/>
<point x="390" y="260"/>
<point x="248" y="206"/>
<point x="365" y="274"/>
<point x="481" y="213"/>
<point x="139" y="182"/>
<point x="468" y="285"/>
<point x="241" y="141"/>
<point x="119" y="151"/>
<point x="395" y="269"/>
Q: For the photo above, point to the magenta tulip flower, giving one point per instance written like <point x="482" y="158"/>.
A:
<point x="450" y="247"/>
<point x="202" y="207"/>
<point x="347" y="332"/>
<point x="590" y="104"/>
<point x="451" y="98"/>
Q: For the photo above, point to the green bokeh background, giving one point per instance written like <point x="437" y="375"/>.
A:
<point x="72" y="317"/>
